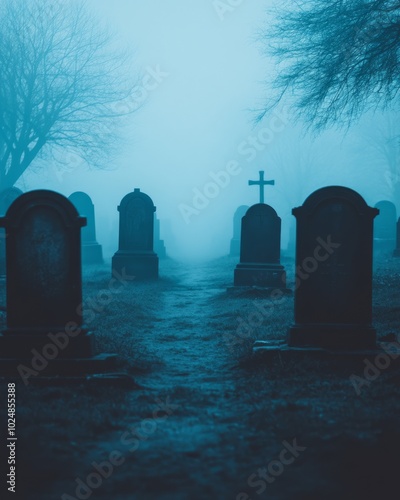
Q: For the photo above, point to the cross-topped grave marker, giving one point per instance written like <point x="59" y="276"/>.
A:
<point x="262" y="183"/>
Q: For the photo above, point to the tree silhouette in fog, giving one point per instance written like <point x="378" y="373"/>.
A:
<point x="62" y="85"/>
<point x="335" y="58"/>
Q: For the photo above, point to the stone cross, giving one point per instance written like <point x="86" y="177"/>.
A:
<point x="262" y="183"/>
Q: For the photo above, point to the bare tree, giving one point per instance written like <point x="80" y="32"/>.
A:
<point x="378" y="137"/>
<point x="61" y="84"/>
<point x="336" y="58"/>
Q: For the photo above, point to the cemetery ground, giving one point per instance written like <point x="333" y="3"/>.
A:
<point x="205" y="419"/>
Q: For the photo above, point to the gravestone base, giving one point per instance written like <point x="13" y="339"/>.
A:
<point x="92" y="253"/>
<point x="20" y="343"/>
<point x="262" y="275"/>
<point x="332" y="336"/>
<point x="140" y="266"/>
<point x="268" y="351"/>
<point x="99" y="365"/>
<point x="54" y="355"/>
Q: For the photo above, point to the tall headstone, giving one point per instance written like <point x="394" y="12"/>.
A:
<point x="260" y="249"/>
<point x="396" y="252"/>
<point x="237" y="224"/>
<point x="159" y="245"/>
<point x="333" y="292"/>
<point x="135" y="254"/>
<point x="385" y="227"/>
<point x="7" y="196"/>
<point x="91" y="250"/>
<point x="44" y="284"/>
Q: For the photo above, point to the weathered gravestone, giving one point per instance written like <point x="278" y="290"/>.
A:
<point x="91" y="250"/>
<point x="333" y="292"/>
<point x="44" y="287"/>
<point x="237" y="224"/>
<point x="135" y="255"/>
<point x="396" y="252"/>
<point x="260" y="249"/>
<point x="7" y="196"/>
<point x="385" y="227"/>
<point x="159" y="246"/>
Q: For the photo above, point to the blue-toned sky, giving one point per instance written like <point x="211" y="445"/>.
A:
<point x="205" y="70"/>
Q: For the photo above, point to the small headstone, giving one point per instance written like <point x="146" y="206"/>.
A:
<point x="333" y="291"/>
<point x="237" y="224"/>
<point x="44" y="284"/>
<point x="159" y="246"/>
<point x="91" y="250"/>
<point x="7" y="196"/>
<point x="385" y="227"/>
<point x="135" y="254"/>
<point x="396" y="252"/>
<point x="260" y="250"/>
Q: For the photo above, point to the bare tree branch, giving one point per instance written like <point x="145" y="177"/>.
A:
<point x="61" y="83"/>
<point x="335" y="58"/>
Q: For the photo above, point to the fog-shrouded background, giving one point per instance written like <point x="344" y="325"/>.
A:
<point x="196" y="128"/>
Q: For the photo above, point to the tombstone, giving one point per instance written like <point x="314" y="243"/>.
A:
<point x="7" y="196"/>
<point x="44" y="284"/>
<point x="333" y="292"/>
<point x="260" y="250"/>
<point x="159" y="246"/>
<point x="396" y="252"/>
<point x="385" y="227"/>
<point x="91" y="250"/>
<point x="135" y="255"/>
<point x="237" y="224"/>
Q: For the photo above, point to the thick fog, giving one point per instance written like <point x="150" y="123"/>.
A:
<point x="193" y="144"/>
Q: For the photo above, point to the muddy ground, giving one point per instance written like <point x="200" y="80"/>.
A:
<point x="228" y="426"/>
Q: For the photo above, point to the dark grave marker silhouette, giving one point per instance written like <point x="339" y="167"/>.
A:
<point x="260" y="249"/>
<point x="260" y="245"/>
<point x="44" y="287"/>
<point x="7" y="196"/>
<point x="91" y="250"/>
<point x="237" y="225"/>
<point x="135" y="255"/>
<point x="333" y="293"/>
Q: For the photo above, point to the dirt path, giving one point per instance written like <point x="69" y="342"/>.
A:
<point x="203" y="424"/>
